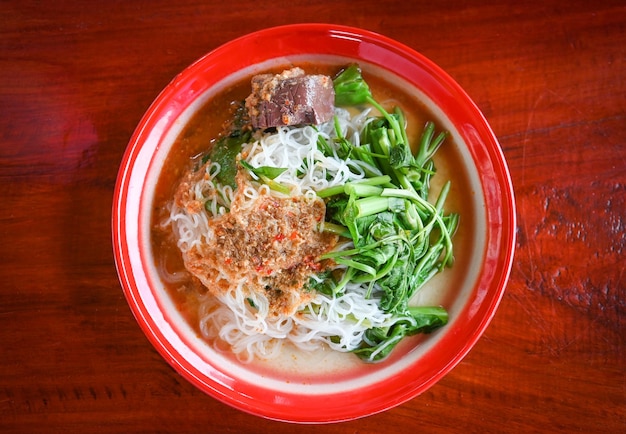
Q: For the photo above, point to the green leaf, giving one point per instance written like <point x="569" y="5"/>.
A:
<point x="224" y="152"/>
<point x="380" y="341"/>
<point x="268" y="172"/>
<point x="350" y="88"/>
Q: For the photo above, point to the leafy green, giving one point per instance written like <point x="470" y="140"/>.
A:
<point x="226" y="148"/>
<point x="267" y="174"/>
<point x="350" y="87"/>
<point x="378" y="342"/>
<point x="224" y="152"/>
<point x="401" y="240"/>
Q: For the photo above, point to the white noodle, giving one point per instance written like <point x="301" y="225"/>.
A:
<point x="241" y="317"/>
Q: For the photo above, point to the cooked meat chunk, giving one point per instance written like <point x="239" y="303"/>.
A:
<point x="290" y="98"/>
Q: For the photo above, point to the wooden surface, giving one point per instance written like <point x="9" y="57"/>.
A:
<point x="75" y="78"/>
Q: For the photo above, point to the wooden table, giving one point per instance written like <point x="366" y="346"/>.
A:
<point x="75" y="78"/>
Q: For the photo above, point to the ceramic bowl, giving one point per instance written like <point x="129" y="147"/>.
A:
<point x="319" y="389"/>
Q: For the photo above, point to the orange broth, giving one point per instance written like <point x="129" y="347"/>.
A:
<point x="196" y="138"/>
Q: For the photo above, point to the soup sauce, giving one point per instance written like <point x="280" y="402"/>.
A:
<point x="197" y="137"/>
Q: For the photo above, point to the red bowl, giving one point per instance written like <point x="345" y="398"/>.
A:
<point x="337" y="394"/>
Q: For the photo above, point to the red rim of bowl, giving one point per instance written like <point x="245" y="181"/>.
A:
<point x="482" y="146"/>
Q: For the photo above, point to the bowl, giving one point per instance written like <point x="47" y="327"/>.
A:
<point x="321" y="387"/>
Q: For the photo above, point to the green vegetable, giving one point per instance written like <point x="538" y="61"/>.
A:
<point x="401" y="240"/>
<point x="380" y="341"/>
<point x="351" y="89"/>
<point x="267" y="174"/>
<point x="226" y="148"/>
<point x="224" y="152"/>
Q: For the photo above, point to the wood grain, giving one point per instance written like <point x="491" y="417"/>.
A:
<point x="75" y="79"/>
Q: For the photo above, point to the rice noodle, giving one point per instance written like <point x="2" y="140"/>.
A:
<point x="240" y="317"/>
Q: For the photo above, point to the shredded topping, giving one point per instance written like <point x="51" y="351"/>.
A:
<point x="272" y="243"/>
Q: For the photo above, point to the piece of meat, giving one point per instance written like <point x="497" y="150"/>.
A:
<point x="290" y="98"/>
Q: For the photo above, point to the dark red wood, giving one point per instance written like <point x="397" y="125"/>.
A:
<point x="76" y="77"/>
